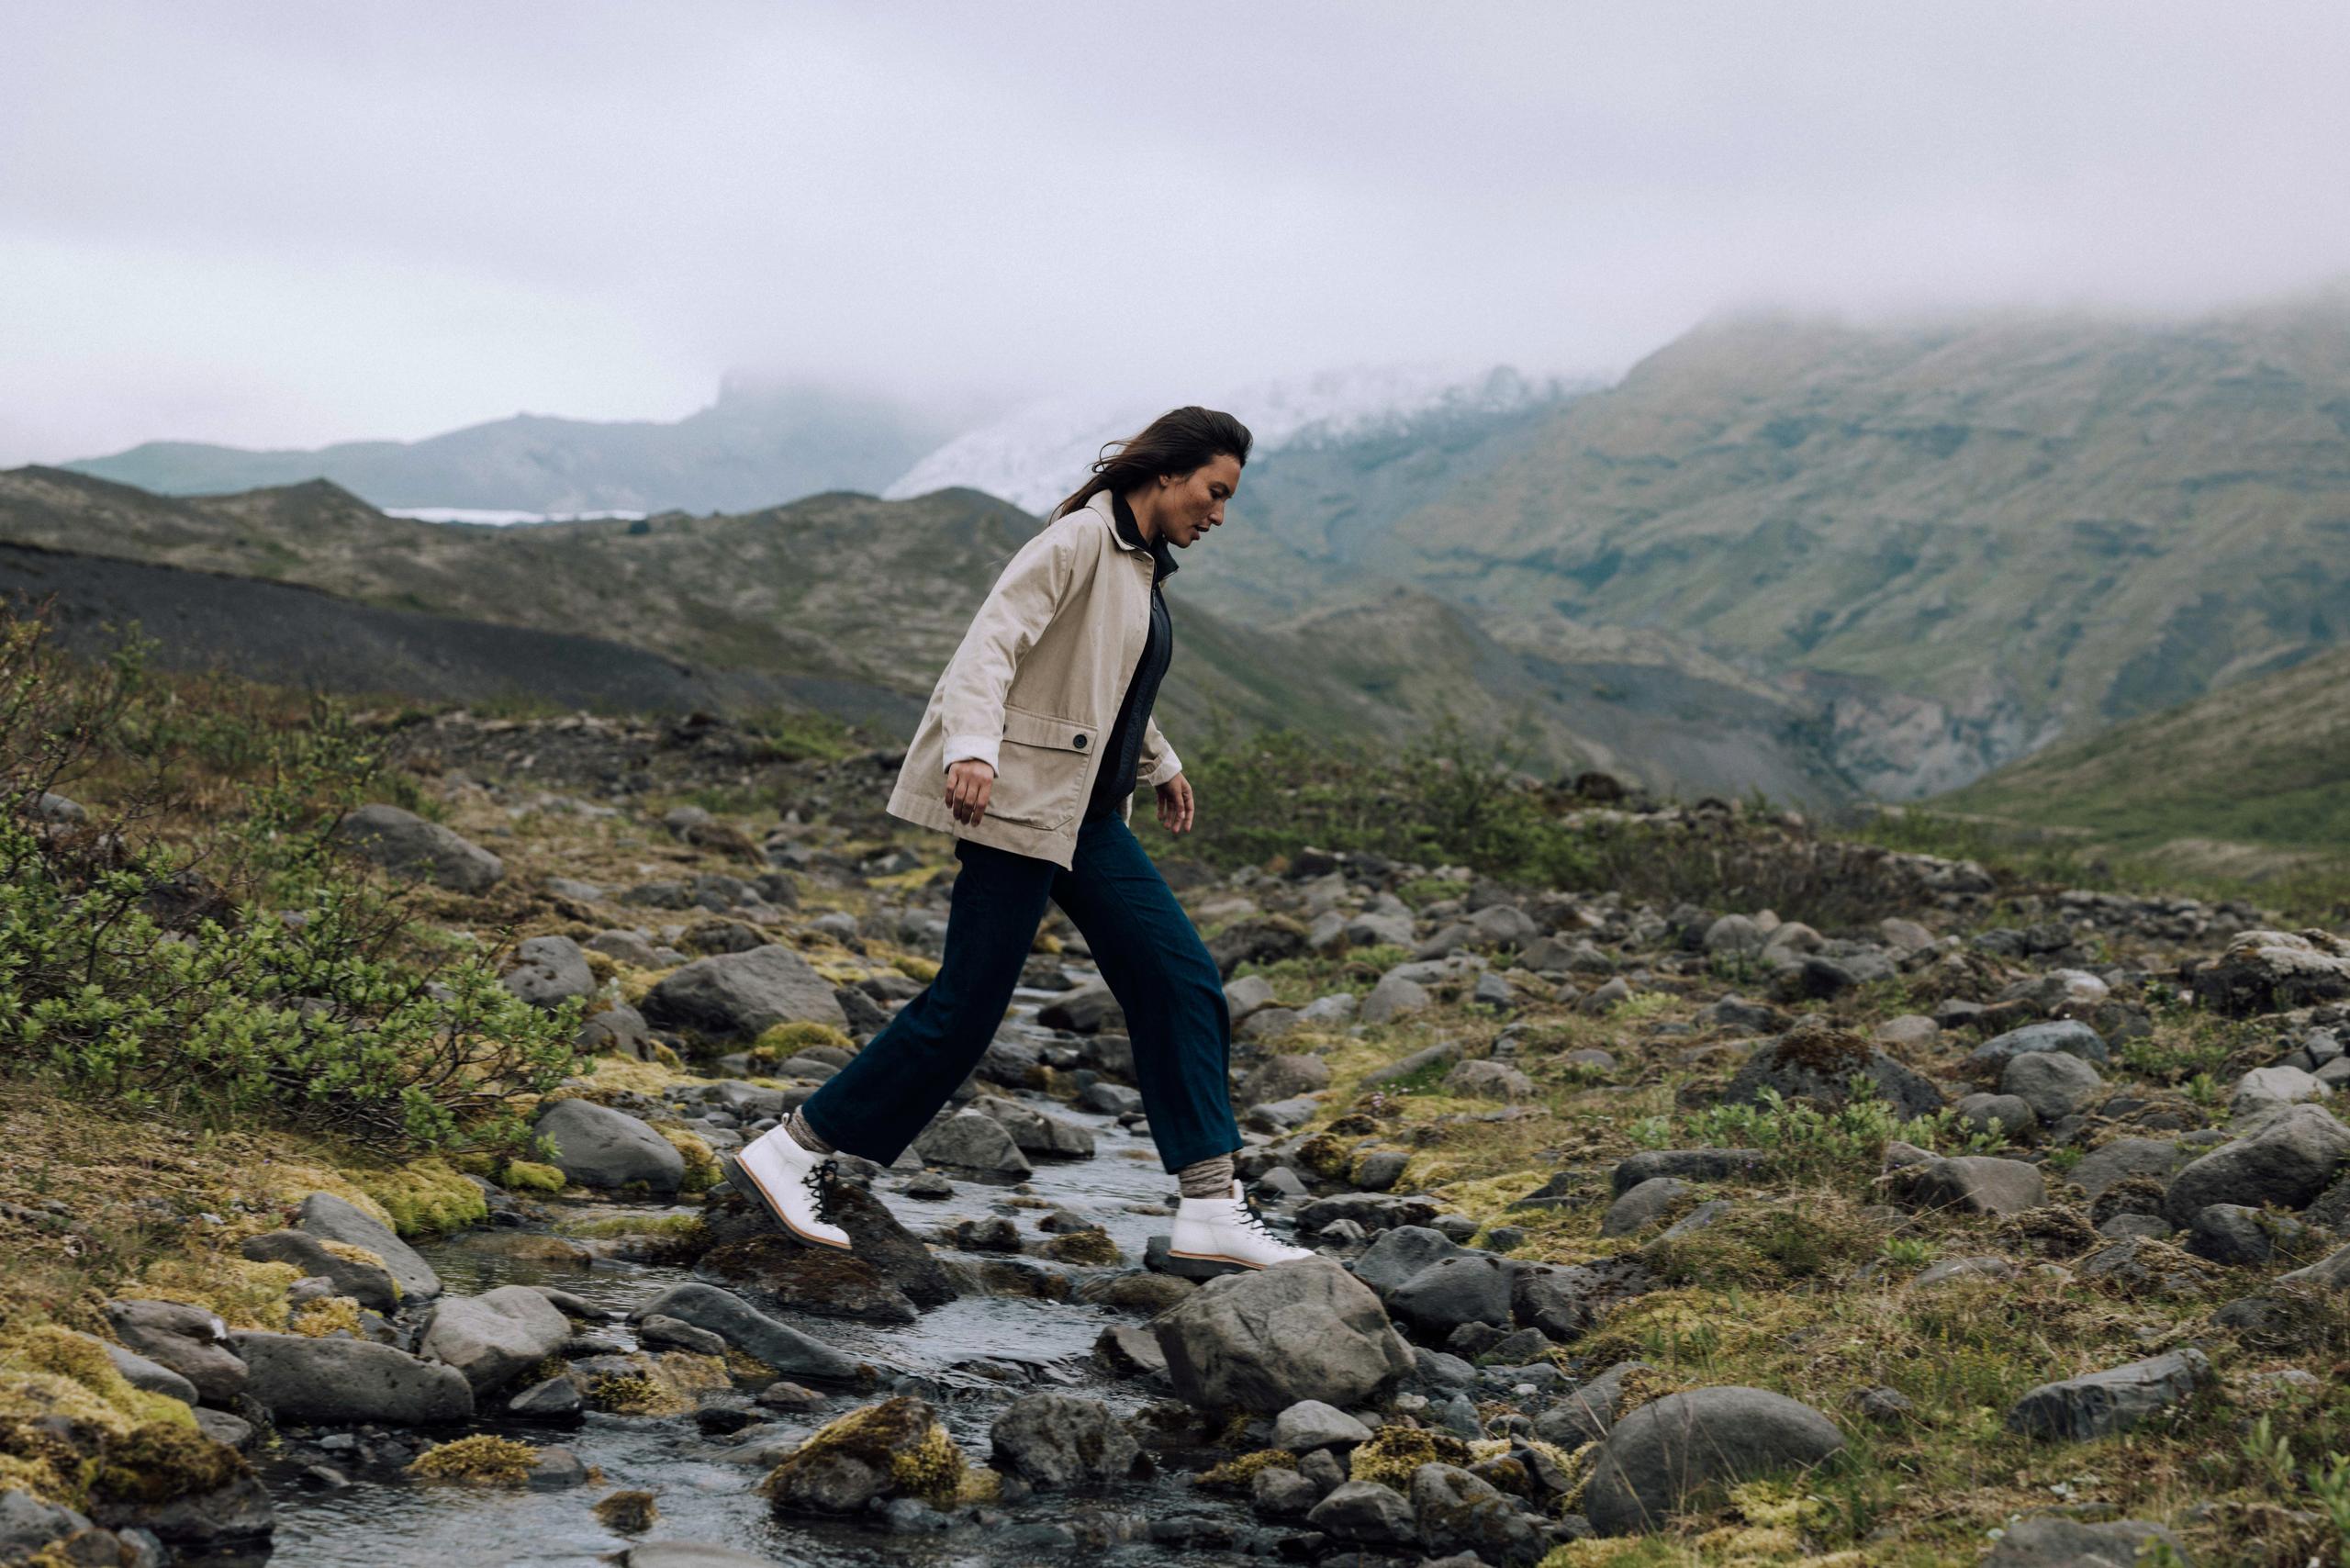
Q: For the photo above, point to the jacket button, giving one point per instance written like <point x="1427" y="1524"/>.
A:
<point x="1079" y="742"/>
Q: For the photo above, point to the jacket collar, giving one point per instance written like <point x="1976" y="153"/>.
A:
<point x="1103" y="506"/>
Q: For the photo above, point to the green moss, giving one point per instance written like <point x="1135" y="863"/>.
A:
<point x="1393" y="1452"/>
<point x="328" y="1316"/>
<point x="901" y="1438"/>
<point x="1086" y="1247"/>
<point x="782" y="1040"/>
<point x="530" y="1176"/>
<point x="165" y="1460"/>
<point x="481" y="1460"/>
<point x="1235" y="1475"/>
<point x="627" y="1513"/>
<point x="703" y="1173"/>
<point x="424" y="1197"/>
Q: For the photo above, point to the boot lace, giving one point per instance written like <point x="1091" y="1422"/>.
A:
<point x="1249" y="1219"/>
<point x="819" y="1183"/>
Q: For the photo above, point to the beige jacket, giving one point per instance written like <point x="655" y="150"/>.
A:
<point x="1035" y="687"/>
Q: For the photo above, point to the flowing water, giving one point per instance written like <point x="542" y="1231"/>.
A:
<point x="977" y="1353"/>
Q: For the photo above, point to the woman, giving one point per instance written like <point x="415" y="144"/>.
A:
<point x="1029" y="753"/>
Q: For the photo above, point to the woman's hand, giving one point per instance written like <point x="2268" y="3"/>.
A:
<point x="968" y="784"/>
<point x="1175" y="804"/>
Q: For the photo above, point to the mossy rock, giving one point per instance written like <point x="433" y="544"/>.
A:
<point x="702" y="1170"/>
<point x="424" y="1197"/>
<point x="481" y="1460"/>
<point x="241" y="1293"/>
<point x="782" y="1040"/>
<point x="163" y="1461"/>
<point x="895" y="1447"/>
<point x="1235" y="1475"/>
<point x="627" y="1513"/>
<point x="329" y="1314"/>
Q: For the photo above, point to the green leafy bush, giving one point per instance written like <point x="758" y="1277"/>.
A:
<point x="201" y="945"/>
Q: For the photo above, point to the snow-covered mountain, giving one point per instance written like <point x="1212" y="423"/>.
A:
<point x="1040" y="451"/>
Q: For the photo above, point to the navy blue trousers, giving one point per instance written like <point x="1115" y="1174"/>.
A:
<point x="1149" y="952"/>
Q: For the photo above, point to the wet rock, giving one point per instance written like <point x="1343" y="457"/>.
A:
<point x="877" y="1239"/>
<point x="1455" y="1511"/>
<point x="742" y="1326"/>
<point x="598" y="1147"/>
<point x="1060" y="1439"/>
<point x="548" y="970"/>
<point x="554" y="1398"/>
<point x="1663" y="1457"/>
<point x="297" y="1377"/>
<point x="404" y="843"/>
<point x="1970" y="1183"/>
<point x="737" y="996"/>
<point x="658" y="1331"/>
<point x="1130" y="1351"/>
<point x="2115" y="1400"/>
<point x="894" y="1449"/>
<point x="968" y="1140"/>
<point x="2049" y="1541"/>
<point x="188" y="1339"/>
<point x="1266" y="1339"/>
<point x="493" y="1337"/>
<point x="822" y="1281"/>
<point x="1281" y="1494"/>
<point x="1033" y="1132"/>
<point x="1110" y="1099"/>
<point x="2287" y="1162"/>
<point x="28" y="1524"/>
<point x="1364" y="1513"/>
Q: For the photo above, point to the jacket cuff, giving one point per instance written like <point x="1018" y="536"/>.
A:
<point x="1170" y="765"/>
<point x="959" y="747"/>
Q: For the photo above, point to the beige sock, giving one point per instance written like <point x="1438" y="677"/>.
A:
<point x="1207" y="1178"/>
<point x="805" y="1136"/>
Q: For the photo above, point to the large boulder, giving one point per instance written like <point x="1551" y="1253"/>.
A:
<point x="330" y="1218"/>
<point x="1364" y="1513"/>
<point x="368" y="1284"/>
<point x="493" y="1338"/>
<point x="1265" y="1340"/>
<point x="302" y="1377"/>
<point x="2269" y="971"/>
<point x="1661" y="1457"/>
<point x="1035" y="1132"/>
<point x="972" y="1140"/>
<point x="1467" y="1287"/>
<point x="598" y="1147"/>
<point x="404" y="843"/>
<point x="737" y="996"/>
<point x="2287" y="1162"/>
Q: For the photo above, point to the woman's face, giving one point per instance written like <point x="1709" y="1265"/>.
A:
<point x="1190" y="504"/>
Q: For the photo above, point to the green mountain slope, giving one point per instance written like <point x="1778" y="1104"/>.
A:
<point x="1963" y="539"/>
<point x="2261" y="765"/>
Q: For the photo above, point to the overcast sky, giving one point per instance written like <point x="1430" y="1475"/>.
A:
<point x="281" y="225"/>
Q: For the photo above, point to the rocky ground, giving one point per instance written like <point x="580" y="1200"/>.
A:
<point x="2005" y="1225"/>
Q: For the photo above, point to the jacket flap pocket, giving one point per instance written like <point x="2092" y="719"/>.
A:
<point x="1043" y="729"/>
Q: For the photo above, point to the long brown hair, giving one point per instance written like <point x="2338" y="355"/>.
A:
<point x="1178" y="442"/>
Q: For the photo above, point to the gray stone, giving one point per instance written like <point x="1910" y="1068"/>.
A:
<point x="2268" y="971"/>
<point x="1587" y="1411"/>
<point x="2287" y="1162"/>
<point x="1455" y="1511"/>
<point x="1278" y="1493"/>
<point x="141" y="1372"/>
<point x="734" y="1320"/>
<point x="2235" y="1234"/>
<point x="970" y="1140"/>
<point x="2006" y="1115"/>
<point x="598" y="1147"/>
<point x="188" y="1339"/>
<point x="1364" y="1513"/>
<point x="1088" y="1010"/>
<point x="2052" y="1540"/>
<point x="330" y="1218"/>
<point x="1642" y="1206"/>
<point x="1488" y="1081"/>
<point x="2108" y="1163"/>
<point x="549" y="971"/>
<point x="367" y="1284"/>
<point x="1282" y="1078"/>
<point x="300" y="1377"/>
<point x="1395" y="1255"/>
<point x="1311" y="1424"/>
<point x="1690" y="1164"/>
<point x="659" y="1332"/>
<point x="1247" y="995"/>
<point x="1467" y="1287"/>
<point x="1060" y="1439"/>
<point x="1972" y="1184"/>
<point x="1392" y="998"/>
<point x="2264" y="1088"/>
<point x="737" y="996"/>
<point x="2066" y="1035"/>
<point x="1265" y="1340"/>
<point x="2115" y="1400"/>
<point x="2053" y="1083"/>
<point x="404" y="843"/>
<point x="495" y="1336"/>
<point x="552" y="1398"/>
<point x="1661" y="1457"/>
<point x="1033" y="1132"/>
<point x="1815" y="1063"/>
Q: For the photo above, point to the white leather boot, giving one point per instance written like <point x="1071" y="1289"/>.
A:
<point x="1227" y="1230"/>
<point x="773" y="1169"/>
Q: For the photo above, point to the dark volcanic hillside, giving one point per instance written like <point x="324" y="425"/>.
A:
<point x="848" y="594"/>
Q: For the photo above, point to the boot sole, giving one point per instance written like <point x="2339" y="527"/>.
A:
<point x="743" y="1183"/>
<point x="1228" y="1265"/>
